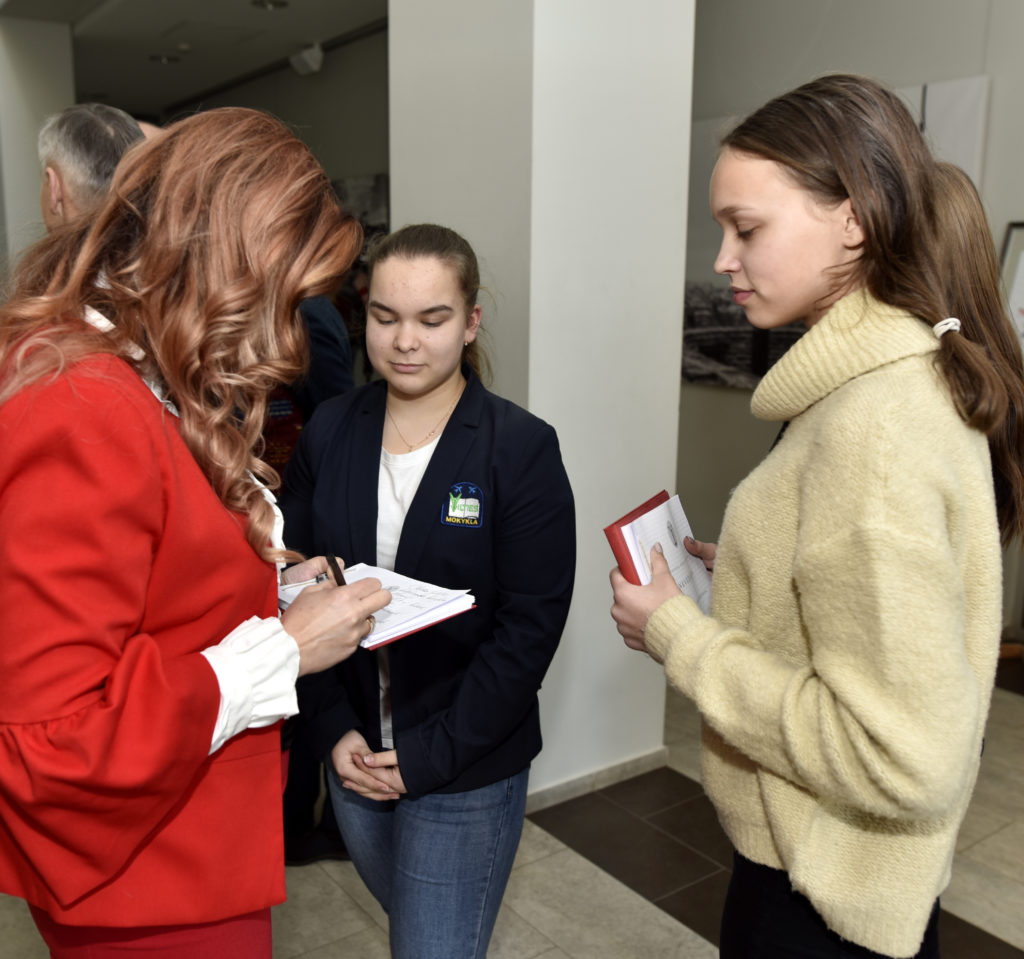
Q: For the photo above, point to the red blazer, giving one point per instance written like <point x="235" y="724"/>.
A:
<point x="117" y="565"/>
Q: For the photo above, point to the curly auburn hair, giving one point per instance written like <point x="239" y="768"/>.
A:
<point x="211" y="236"/>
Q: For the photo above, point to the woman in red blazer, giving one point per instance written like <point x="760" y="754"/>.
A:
<point x="143" y="666"/>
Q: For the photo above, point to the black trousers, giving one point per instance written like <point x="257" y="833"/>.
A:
<point x="765" y="918"/>
<point x="305" y="783"/>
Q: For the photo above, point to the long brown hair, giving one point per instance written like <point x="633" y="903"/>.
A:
<point x="969" y="268"/>
<point x="848" y="137"/>
<point x="212" y="235"/>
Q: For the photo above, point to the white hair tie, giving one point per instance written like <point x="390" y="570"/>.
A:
<point x="944" y="326"/>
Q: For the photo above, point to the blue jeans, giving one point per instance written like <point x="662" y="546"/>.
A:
<point x="437" y="864"/>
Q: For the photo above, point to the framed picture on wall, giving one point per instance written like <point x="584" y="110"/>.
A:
<point x="1013" y="273"/>
<point x="720" y="347"/>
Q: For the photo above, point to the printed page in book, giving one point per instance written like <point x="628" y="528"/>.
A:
<point x="613" y="533"/>
<point x="667" y="524"/>
<point x="414" y="604"/>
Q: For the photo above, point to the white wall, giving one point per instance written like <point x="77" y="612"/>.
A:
<point x="461" y="89"/>
<point x="35" y="81"/>
<point x="610" y="140"/>
<point x="897" y="41"/>
<point x="1003" y="192"/>
<point x="555" y="136"/>
<point x="1003" y="188"/>
<point x="341" y="112"/>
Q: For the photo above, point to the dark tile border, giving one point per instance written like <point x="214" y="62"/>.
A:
<point x="658" y="834"/>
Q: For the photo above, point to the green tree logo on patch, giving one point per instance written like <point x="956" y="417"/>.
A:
<point x="465" y="506"/>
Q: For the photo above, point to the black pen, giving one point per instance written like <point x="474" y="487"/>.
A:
<point x="339" y="579"/>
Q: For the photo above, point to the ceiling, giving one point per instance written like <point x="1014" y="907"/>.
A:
<point x="153" y="57"/>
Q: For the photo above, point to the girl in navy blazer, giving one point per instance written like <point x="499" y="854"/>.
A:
<point x="426" y="472"/>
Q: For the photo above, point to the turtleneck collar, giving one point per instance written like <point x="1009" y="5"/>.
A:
<point x="857" y="335"/>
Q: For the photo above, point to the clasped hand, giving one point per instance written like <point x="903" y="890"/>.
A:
<point x="373" y="775"/>
<point x="327" y="621"/>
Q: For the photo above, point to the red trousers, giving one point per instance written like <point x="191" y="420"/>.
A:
<point x="243" y="937"/>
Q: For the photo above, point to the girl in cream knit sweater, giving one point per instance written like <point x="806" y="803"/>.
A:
<point x="845" y="671"/>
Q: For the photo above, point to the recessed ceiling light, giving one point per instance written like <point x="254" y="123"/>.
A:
<point x="270" y="4"/>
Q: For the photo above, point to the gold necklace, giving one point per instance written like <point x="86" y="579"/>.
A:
<point x="436" y="427"/>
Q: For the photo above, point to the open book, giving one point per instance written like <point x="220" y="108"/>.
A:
<point x="414" y="604"/>
<point x="660" y="520"/>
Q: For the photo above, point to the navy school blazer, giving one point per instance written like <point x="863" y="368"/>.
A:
<point x="464" y="692"/>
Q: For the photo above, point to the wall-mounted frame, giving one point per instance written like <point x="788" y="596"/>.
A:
<point x="1013" y="273"/>
<point x="720" y="347"/>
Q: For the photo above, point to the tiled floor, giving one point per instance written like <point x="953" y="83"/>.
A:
<point x="557" y="906"/>
<point x="983" y="908"/>
<point x="640" y="869"/>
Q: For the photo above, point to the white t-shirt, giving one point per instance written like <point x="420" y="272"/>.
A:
<point x="399" y="478"/>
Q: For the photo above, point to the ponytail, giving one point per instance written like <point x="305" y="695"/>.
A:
<point x="982" y="363"/>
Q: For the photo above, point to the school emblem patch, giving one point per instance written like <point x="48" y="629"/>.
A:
<point x="465" y="506"/>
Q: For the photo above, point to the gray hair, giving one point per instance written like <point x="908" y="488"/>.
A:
<point x="85" y="143"/>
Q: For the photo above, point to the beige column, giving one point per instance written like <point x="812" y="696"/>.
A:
<point x="555" y="135"/>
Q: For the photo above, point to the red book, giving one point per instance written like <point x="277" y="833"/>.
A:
<point x="618" y="543"/>
<point x="659" y="521"/>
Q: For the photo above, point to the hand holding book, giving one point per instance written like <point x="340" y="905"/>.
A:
<point x="659" y="520"/>
<point x="414" y="604"/>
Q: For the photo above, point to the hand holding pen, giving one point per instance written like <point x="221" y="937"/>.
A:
<point x="332" y="564"/>
<point x="328" y="624"/>
<point x="339" y="580"/>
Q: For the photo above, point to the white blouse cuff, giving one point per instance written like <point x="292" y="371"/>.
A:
<point x="256" y="665"/>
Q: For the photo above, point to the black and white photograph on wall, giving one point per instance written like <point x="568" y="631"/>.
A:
<point x="720" y="348"/>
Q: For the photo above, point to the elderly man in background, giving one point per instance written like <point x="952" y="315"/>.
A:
<point x="79" y="149"/>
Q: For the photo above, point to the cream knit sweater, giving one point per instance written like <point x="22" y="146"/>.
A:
<point x="845" y="673"/>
